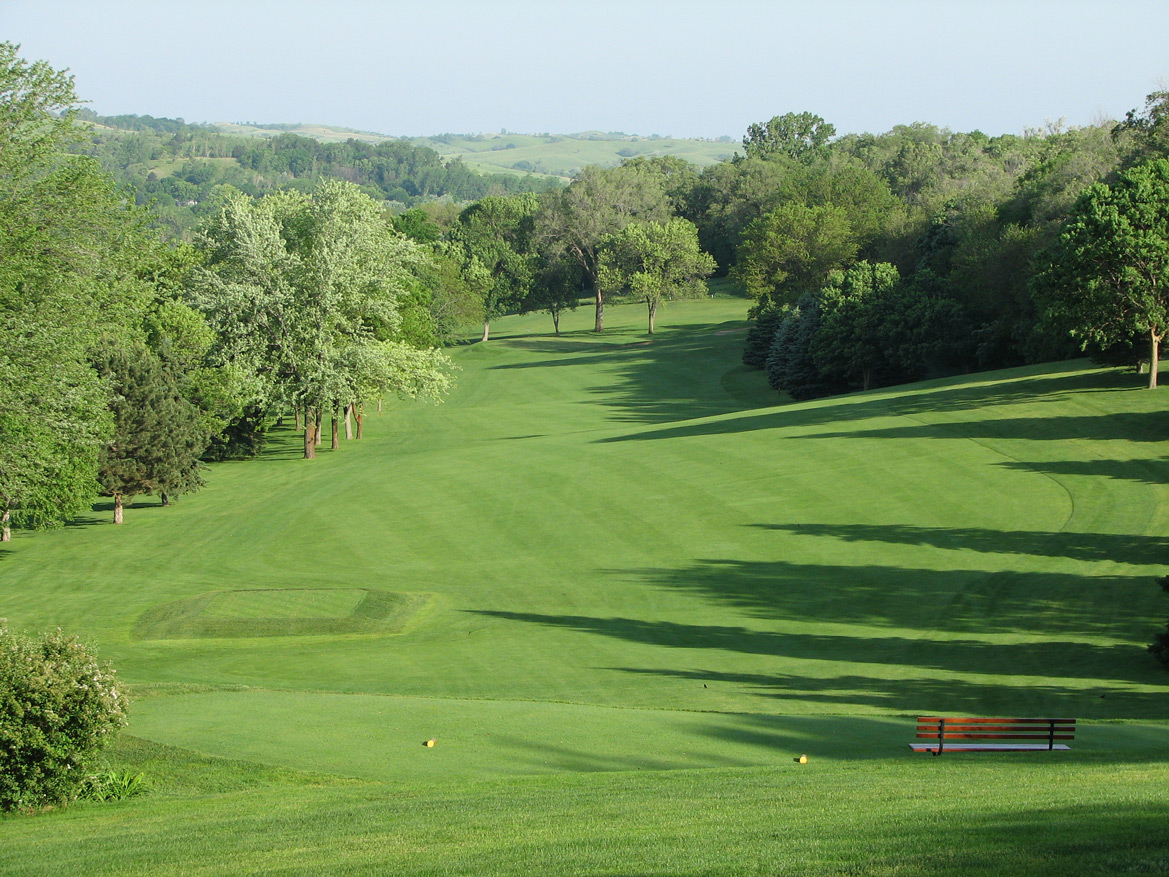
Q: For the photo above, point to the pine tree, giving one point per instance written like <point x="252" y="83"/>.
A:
<point x="158" y="435"/>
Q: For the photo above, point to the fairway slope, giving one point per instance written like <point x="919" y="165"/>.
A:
<point x="623" y="554"/>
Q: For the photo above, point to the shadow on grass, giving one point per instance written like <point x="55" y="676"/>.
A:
<point x="1043" y="389"/>
<point x="924" y="696"/>
<point x="1053" y="837"/>
<point x="1119" y="548"/>
<point x="1039" y="660"/>
<point x="951" y="601"/>
<point x="139" y="504"/>
<point x="1148" y="471"/>
<point x="654" y="379"/>
<point x="1147" y="426"/>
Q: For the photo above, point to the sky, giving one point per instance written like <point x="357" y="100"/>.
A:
<point x="678" y="68"/>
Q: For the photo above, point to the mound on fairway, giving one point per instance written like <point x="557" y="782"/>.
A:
<point x="281" y="612"/>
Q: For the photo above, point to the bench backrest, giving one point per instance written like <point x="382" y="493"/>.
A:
<point x="942" y="729"/>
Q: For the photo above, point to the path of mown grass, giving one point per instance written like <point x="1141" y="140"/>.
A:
<point x="620" y="555"/>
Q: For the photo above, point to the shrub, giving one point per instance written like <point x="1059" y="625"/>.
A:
<point x="58" y="708"/>
<point x="112" y="785"/>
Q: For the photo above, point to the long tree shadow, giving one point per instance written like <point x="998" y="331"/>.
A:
<point x="1154" y="470"/>
<point x="953" y="601"/>
<point x="946" y="398"/>
<point x="1144" y="426"/>
<point x="1149" y="426"/>
<point x="1120" y="548"/>
<point x="922" y="695"/>
<point x="1037" y="660"/>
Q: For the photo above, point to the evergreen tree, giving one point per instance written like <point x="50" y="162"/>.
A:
<point x="159" y="436"/>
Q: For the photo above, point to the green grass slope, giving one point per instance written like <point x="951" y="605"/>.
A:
<point x="557" y="155"/>
<point x="563" y="154"/>
<point x="623" y="587"/>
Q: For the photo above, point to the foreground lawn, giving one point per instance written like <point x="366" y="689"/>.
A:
<point x="1029" y="814"/>
<point x="623" y="586"/>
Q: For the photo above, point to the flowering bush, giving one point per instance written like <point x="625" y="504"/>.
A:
<point x="58" y="708"/>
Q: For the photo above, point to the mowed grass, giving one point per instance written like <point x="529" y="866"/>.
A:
<point x="637" y="586"/>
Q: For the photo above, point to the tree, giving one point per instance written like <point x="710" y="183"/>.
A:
<point x="496" y="232"/>
<point x="1149" y="130"/>
<point x="595" y="204"/>
<point x="53" y="421"/>
<point x="303" y="292"/>
<point x="76" y="259"/>
<point x="732" y="194"/>
<point x="557" y="287"/>
<point x="791" y="367"/>
<point x="450" y="291"/>
<point x="59" y="707"/>
<point x="1109" y="276"/>
<point x="800" y="136"/>
<point x="37" y="112"/>
<point x="653" y="262"/>
<point x="158" y="436"/>
<point x="761" y="334"/>
<point x="847" y="343"/>
<point x="791" y="250"/>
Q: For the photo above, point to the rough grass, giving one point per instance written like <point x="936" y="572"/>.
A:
<point x="651" y="586"/>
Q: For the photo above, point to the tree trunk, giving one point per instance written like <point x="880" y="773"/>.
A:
<point x="164" y="496"/>
<point x="1154" y="357"/>
<point x="310" y="438"/>
<point x="319" y="421"/>
<point x="556" y="321"/>
<point x="360" y="419"/>
<point x="5" y="526"/>
<point x="653" y="312"/>
<point x="486" y="329"/>
<point x="600" y="324"/>
<point x="867" y="378"/>
<point x="117" y="508"/>
<point x="349" y="422"/>
<point x="336" y="443"/>
<point x="299" y="420"/>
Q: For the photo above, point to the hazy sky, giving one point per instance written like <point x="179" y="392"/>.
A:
<point x="671" y="67"/>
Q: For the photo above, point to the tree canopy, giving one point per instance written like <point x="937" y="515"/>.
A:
<point x="1108" y="279"/>
<point x="653" y="262"/>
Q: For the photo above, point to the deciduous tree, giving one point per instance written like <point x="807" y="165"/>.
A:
<point x="1109" y="276"/>
<point x="599" y="203"/>
<point x="653" y="262"/>
<point x="801" y="136"/>
<point x="791" y="250"/>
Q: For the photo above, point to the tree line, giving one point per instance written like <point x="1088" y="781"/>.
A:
<point x="130" y="147"/>
<point x="869" y="259"/>
<point x="128" y="357"/>
<point x="879" y="259"/>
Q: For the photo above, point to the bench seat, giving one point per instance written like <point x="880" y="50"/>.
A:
<point x="979" y="734"/>
<point x="987" y="747"/>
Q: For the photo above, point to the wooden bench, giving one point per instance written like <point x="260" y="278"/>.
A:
<point x="979" y="735"/>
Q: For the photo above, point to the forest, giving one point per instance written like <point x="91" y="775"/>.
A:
<point x="155" y="320"/>
<point x="197" y="159"/>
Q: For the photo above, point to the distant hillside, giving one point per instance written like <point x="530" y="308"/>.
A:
<point x="563" y="154"/>
<point x="558" y="155"/>
<point x="179" y="167"/>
